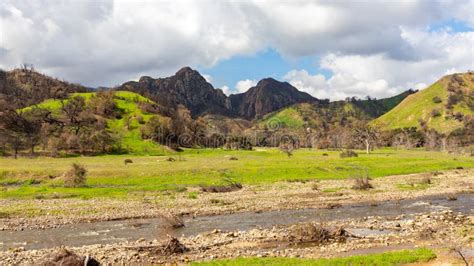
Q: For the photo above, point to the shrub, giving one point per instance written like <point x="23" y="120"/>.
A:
<point x="435" y="113"/>
<point x="229" y="186"/>
<point x="426" y="180"/>
<point x="310" y="232"/>
<point x="76" y="176"/>
<point x="316" y="233"/>
<point x="140" y="120"/>
<point x="348" y="153"/>
<point x="67" y="257"/>
<point x="362" y="183"/>
<point x="459" y="116"/>
<point x="127" y="161"/>
<point x="173" y="246"/>
<point x="452" y="198"/>
<point x="436" y="99"/>
<point x="215" y="201"/>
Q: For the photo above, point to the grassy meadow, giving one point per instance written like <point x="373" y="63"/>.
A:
<point x="387" y="258"/>
<point x="108" y="176"/>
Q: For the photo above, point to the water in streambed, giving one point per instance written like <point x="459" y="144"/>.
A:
<point x="117" y="231"/>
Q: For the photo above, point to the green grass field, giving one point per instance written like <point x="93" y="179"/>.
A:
<point x="388" y="258"/>
<point x="108" y="176"/>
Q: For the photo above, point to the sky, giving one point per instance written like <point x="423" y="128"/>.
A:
<point x="330" y="49"/>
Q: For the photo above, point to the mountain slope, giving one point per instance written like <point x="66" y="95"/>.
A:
<point x="187" y="87"/>
<point x="127" y="103"/>
<point x="267" y="96"/>
<point x="376" y="108"/>
<point x="22" y="87"/>
<point x="441" y="106"/>
<point x="322" y="114"/>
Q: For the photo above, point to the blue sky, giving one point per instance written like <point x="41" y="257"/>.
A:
<point x="268" y="63"/>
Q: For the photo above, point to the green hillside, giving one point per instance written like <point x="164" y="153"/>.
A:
<point x="127" y="104"/>
<point x="442" y="105"/>
<point x="306" y="115"/>
<point x="324" y="114"/>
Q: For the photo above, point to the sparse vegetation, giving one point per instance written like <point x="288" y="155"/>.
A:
<point x="76" y="176"/>
<point x="437" y="99"/>
<point x="362" y="183"/>
<point x="309" y="232"/>
<point x="387" y="258"/>
<point x="228" y="186"/>
<point x="348" y="154"/>
<point x="435" y="113"/>
<point x="362" y="180"/>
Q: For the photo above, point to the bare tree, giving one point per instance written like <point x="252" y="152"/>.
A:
<point x="367" y="134"/>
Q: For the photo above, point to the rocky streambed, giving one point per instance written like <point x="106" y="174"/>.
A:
<point x="438" y="221"/>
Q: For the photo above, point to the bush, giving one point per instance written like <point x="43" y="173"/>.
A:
<point x="362" y="183"/>
<point x="67" y="257"/>
<point x="316" y="233"/>
<point x="348" y="153"/>
<point x="426" y="180"/>
<point x="140" y="120"/>
<point x="310" y="232"/>
<point x="230" y="185"/>
<point x="435" y="113"/>
<point x="459" y="116"/>
<point x="76" y="176"/>
<point x="436" y="99"/>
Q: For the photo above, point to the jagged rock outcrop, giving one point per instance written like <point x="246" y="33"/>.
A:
<point x="267" y="96"/>
<point x="187" y="87"/>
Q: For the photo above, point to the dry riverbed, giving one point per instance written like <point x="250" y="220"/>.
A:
<point x="30" y="214"/>
<point x="444" y="231"/>
<point x="450" y="233"/>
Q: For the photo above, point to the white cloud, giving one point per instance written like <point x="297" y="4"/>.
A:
<point x="439" y="53"/>
<point x="207" y="77"/>
<point x="226" y="90"/>
<point x="110" y="41"/>
<point x="244" y="85"/>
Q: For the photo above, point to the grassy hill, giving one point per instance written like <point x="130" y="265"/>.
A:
<point x="128" y="105"/>
<point x="442" y="105"/>
<point x="333" y="113"/>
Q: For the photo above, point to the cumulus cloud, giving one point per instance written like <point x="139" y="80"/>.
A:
<point x="226" y="90"/>
<point x="107" y="42"/>
<point x="439" y="53"/>
<point x="244" y="85"/>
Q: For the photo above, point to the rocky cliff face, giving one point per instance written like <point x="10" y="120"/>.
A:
<point x="189" y="88"/>
<point x="267" y="96"/>
<point x="186" y="87"/>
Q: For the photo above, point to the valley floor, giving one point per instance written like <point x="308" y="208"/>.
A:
<point x="432" y="210"/>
